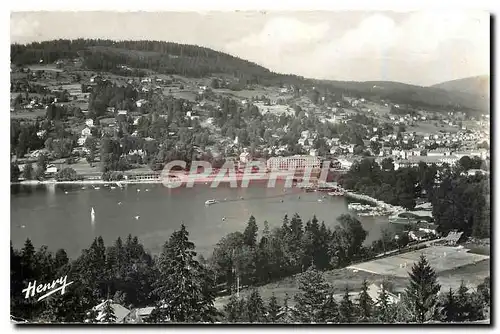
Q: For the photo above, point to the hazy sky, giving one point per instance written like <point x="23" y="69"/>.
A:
<point x="422" y="48"/>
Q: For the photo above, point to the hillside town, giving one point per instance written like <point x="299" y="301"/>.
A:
<point x="383" y="130"/>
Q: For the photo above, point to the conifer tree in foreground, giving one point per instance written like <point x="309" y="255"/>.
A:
<point x="233" y="310"/>
<point x="286" y="317"/>
<point x="385" y="313"/>
<point x="310" y="302"/>
<point x="365" y="303"/>
<point x="108" y="313"/>
<point x="346" y="309"/>
<point x="449" y="307"/>
<point x="423" y="290"/>
<point x="467" y="307"/>
<point x="185" y="289"/>
<point x="330" y="310"/>
<point x="250" y="233"/>
<point x="255" y="309"/>
<point x="273" y="310"/>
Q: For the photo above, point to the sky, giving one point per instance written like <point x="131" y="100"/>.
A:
<point x="421" y="48"/>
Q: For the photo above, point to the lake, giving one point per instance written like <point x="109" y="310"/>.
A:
<point x="59" y="215"/>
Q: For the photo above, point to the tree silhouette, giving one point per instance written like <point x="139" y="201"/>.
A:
<point x="422" y="290"/>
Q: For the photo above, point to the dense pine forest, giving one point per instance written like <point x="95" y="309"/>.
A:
<point x="161" y="57"/>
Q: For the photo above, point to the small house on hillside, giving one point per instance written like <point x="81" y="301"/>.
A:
<point x="51" y="169"/>
<point x="119" y="311"/>
<point x="375" y="290"/>
<point x="418" y="235"/>
<point x="138" y="315"/>
<point x="86" y="132"/>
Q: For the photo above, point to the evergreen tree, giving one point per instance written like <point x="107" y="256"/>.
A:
<point x="403" y="310"/>
<point x="90" y="316"/>
<point x="384" y="310"/>
<point x="233" y="311"/>
<point x="184" y="289"/>
<point x="273" y="310"/>
<point x="28" y="172"/>
<point x="449" y="310"/>
<point x="346" y="308"/>
<point x="330" y="310"/>
<point x="365" y="303"/>
<point x="422" y="290"/>
<point x="293" y="244"/>
<point x="310" y="302"/>
<point x="250" y="233"/>
<point x="255" y="308"/>
<point x="14" y="172"/>
<point x="108" y="313"/>
<point x="484" y="290"/>
<point x="462" y="303"/>
<point x="287" y="317"/>
<point x="467" y="307"/>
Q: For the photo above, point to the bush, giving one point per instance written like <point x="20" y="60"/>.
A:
<point x="112" y="176"/>
<point x="67" y="174"/>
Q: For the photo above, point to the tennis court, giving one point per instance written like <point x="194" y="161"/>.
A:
<point x="441" y="258"/>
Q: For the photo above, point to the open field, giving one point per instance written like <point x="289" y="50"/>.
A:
<point x="441" y="258"/>
<point x="45" y="68"/>
<point x="275" y="109"/>
<point x="180" y="94"/>
<point x="471" y="273"/>
<point x="338" y="278"/>
<point x="429" y="127"/>
<point x="28" y="114"/>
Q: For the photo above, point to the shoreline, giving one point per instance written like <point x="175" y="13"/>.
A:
<point x="372" y="200"/>
<point x="174" y="179"/>
<point x="53" y="182"/>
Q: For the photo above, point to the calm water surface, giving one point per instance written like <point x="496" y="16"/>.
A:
<point x="50" y="216"/>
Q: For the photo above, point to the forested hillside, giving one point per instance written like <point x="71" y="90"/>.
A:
<point x="162" y="57"/>
<point x="417" y="96"/>
<point x="478" y="85"/>
<point x="196" y="61"/>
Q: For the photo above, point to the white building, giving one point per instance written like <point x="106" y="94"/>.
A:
<point x="140" y="103"/>
<point x="86" y="132"/>
<point x="345" y="164"/>
<point x="439" y="152"/>
<point x="51" y="169"/>
<point x="293" y="162"/>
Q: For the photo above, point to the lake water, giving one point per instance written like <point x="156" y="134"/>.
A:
<point x="59" y="215"/>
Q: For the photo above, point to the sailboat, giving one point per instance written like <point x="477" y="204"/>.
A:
<point x="92" y="214"/>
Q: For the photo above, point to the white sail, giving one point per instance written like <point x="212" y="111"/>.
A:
<point x="92" y="215"/>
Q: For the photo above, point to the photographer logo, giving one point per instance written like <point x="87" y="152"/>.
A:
<point x="33" y="290"/>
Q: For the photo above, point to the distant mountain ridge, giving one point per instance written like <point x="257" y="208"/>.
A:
<point x="197" y="61"/>
<point x="419" y="96"/>
<point x="476" y="85"/>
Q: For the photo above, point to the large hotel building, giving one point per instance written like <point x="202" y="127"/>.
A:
<point x="296" y="162"/>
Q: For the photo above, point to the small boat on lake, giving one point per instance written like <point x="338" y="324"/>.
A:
<point x="210" y="202"/>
